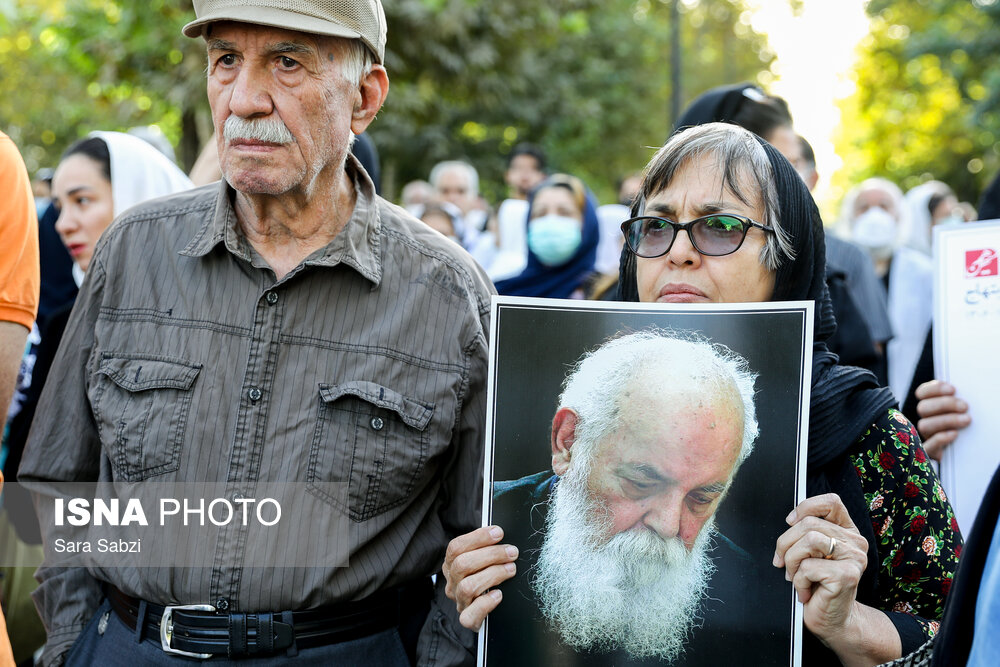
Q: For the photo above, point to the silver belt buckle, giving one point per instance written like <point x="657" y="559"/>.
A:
<point x="167" y="629"/>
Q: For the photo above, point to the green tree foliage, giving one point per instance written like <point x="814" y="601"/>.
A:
<point x="589" y="80"/>
<point x="73" y="66"/>
<point x="926" y="103"/>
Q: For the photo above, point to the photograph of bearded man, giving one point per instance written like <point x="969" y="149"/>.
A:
<point x="621" y="558"/>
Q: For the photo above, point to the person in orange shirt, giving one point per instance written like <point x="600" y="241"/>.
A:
<point x="19" y="275"/>
<point x="19" y="287"/>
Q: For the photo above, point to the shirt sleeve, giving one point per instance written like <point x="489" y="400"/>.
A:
<point x="64" y="446"/>
<point x="919" y="542"/>
<point x="443" y="640"/>
<point x="19" y="273"/>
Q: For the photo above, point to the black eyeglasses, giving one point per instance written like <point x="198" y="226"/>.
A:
<point x="712" y="235"/>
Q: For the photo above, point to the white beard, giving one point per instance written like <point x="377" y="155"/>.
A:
<point x="634" y="592"/>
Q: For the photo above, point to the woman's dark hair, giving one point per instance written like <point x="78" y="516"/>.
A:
<point x="762" y="114"/>
<point x="96" y="149"/>
<point x="745" y="105"/>
<point x="531" y="150"/>
<point x="571" y="184"/>
<point x="937" y="198"/>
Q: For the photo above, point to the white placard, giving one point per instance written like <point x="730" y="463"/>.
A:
<point x="966" y="337"/>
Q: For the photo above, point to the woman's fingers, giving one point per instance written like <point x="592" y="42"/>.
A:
<point x="942" y="415"/>
<point x="938" y="443"/>
<point x="472" y="587"/>
<point x="830" y="542"/>
<point x="480" y="537"/>
<point x="941" y="405"/>
<point x="477" y="571"/>
<point x="472" y="617"/>
<point x="473" y="563"/>
<point x="832" y="583"/>
<point x="467" y="564"/>
<point x="824" y="557"/>
<point x="827" y="506"/>
<point x="941" y="418"/>
<point x="814" y="520"/>
<point x="951" y="421"/>
<point x="934" y="388"/>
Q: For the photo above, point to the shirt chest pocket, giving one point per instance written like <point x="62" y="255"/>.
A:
<point x="373" y="439"/>
<point x="141" y="406"/>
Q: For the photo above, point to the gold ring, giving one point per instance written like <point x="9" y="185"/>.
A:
<point x="833" y="547"/>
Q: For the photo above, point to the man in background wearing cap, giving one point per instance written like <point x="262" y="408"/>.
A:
<point x="285" y="324"/>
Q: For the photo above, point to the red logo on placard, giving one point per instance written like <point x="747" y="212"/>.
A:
<point x="980" y="263"/>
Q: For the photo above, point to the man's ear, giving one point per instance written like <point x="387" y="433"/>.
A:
<point x="369" y="98"/>
<point x="563" y="437"/>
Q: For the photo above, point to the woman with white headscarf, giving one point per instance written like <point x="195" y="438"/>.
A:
<point x="929" y="204"/>
<point x="875" y="216"/>
<point x="98" y="178"/>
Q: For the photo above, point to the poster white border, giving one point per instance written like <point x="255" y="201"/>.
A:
<point x="806" y="308"/>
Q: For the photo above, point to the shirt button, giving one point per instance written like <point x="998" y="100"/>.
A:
<point x="377" y="423"/>
<point x="222" y="604"/>
<point x="254" y="394"/>
<point x="272" y="298"/>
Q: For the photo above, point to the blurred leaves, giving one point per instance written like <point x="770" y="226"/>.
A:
<point x="73" y="67"/>
<point x="927" y="89"/>
<point x="589" y="80"/>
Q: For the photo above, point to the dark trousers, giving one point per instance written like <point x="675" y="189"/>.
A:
<point x="118" y="645"/>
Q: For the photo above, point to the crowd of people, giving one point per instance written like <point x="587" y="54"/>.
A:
<point x="156" y="342"/>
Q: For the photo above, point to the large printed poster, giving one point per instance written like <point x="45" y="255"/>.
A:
<point x="646" y="516"/>
<point x="966" y="335"/>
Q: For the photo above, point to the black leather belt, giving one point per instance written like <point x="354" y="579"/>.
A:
<point x="201" y="631"/>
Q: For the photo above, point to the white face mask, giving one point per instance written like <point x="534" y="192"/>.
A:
<point x="874" y="229"/>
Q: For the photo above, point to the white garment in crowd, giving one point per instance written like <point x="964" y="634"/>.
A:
<point x="512" y="251"/>
<point x="609" y="249"/>
<point x="919" y="232"/>
<point x="139" y="172"/>
<point x="911" y="309"/>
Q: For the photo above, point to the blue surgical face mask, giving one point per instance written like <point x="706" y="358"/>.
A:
<point x="554" y="238"/>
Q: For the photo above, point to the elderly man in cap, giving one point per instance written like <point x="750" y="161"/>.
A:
<point x="284" y="324"/>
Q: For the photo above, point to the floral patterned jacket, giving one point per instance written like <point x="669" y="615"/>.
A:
<point x="918" y="538"/>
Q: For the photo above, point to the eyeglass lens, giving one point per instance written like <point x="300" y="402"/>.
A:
<point x="711" y="235"/>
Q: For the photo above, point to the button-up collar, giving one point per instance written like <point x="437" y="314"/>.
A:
<point x="357" y="245"/>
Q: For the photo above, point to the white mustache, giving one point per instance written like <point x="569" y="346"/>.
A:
<point x="268" y="130"/>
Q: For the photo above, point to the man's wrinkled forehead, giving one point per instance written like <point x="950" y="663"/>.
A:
<point x="228" y="35"/>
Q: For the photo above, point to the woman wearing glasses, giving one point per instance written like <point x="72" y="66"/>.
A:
<point x="723" y="217"/>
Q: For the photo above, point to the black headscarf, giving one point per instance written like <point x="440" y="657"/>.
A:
<point x="744" y="104"/>
<point x="845" y="400"/>
<point x="717" y="105"/>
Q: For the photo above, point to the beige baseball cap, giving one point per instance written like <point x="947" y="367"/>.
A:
<point x="353" y="19"/>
